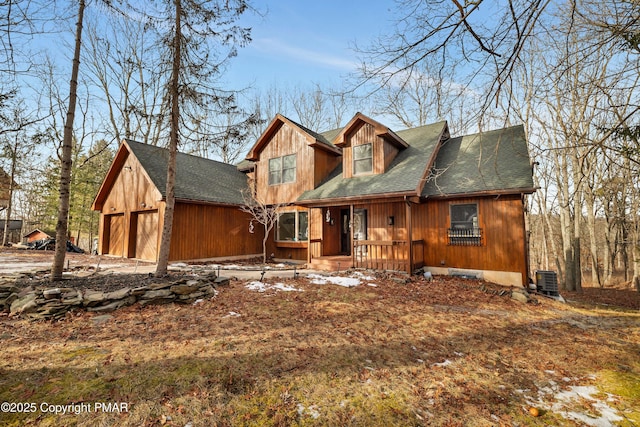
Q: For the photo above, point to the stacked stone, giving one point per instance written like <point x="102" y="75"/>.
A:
<point x="52" y="304"/>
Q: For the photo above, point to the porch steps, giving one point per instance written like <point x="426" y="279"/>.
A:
<point x="331" y="263"/>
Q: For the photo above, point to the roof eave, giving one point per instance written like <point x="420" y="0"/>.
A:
<point x="484" y="193"/>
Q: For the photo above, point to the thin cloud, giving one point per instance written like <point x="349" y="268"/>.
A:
<point x="278" y="48"/>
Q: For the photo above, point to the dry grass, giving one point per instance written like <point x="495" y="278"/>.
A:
<point x="424" y="353"/>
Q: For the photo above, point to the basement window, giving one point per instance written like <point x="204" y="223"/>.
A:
<point x="464" y="229"/>
<point x="293" y="227"/>
<point x="282" y="169"/>
<point x="362" y="159"/>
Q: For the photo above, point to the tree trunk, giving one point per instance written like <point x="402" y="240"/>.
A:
<point x="12" y="175"/>
<point x="66" y="161"/>
<point x="593" y="243"/>
<point x="636" y="266"/>
<point x="165" y="242"/>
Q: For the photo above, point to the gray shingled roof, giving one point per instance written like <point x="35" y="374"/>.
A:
<point x="489" y="161"/>
<point x="197" y="179"/>
<point x="403" y="174"/>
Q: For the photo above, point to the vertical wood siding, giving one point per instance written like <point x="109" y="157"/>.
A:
<point x="383" y="152"/>
<point x="115" y="230"/>
<point x="205" y="231"/>
<point x="503" y="243"/>
<point x="147" y="234"/>
<point x="310" y="169"/>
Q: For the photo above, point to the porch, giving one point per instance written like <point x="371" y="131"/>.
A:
<point x="370" y="254"/>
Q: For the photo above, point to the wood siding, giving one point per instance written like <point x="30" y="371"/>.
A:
<point x="146" y="236"/>
<point x="383" y="152"/>
<point x="115" y="232"/>
<point x="503" y="245"/>
<point x="131" y="196"/>
<point x="206" y="231"/>
<point x="378" y="214"/>
<point x="312" y="166"/>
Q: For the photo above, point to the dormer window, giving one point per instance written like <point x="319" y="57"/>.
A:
<point x="362" y="159"/>
<point x="282" y="169"/>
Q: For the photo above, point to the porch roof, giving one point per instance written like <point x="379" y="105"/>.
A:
<point x="403" y="175"/>
<point x="487" y="162"/>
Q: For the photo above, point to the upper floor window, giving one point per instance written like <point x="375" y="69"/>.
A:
<point x="362" y="159"/>
<point x="282" y="169"/>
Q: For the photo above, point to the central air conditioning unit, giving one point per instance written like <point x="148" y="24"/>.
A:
<point x="547" y="282"/>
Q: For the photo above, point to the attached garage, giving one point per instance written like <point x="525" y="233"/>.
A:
<point x="207" y="220"/>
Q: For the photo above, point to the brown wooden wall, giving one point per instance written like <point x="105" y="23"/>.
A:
<point x="206" y="231"/>
<point x="383" y="152"/>
<point x="377" y="220"/>
<point x="312" y="165"/>
<point x="131" y="215"/>
<point x="503" y="243"/>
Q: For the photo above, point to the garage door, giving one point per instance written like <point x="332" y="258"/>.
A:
<point x="147" y="236"/>
<point x="116" y="234"/>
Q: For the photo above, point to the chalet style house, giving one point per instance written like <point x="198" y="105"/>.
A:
<point x="361" y="196"/>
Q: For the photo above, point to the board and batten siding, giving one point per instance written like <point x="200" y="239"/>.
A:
<point x="504" y="242"/>
<point x="131" y="214"/>
<point x="382" y="151"/>
<point x="286" y="141"/>
<point x="211" y="231"/>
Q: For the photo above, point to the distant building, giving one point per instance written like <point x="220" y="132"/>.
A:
<point x="15" y="228"/>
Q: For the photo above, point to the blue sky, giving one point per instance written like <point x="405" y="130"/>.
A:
<point x="302" y="42"/>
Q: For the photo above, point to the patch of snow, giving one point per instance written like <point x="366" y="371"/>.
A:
<point x="447" y="362"/>
<point x="347" y="282"/>
<point x="232" y="314"/>
<point x="600" y="415"/>
<point x="373" y="285"/>
<point x="608" y="415"/>
<point x="198" y="301"/>
<point x="312" y="411"/>
<point x="263" y="287"/>
<point x="178" y="265"/>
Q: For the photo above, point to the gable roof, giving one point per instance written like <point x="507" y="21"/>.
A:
<point x="314" y="139"/>
<point x="404" y="175"/>
<point x="197" y="179"/>
<point x="489" y="162"/>
<point x="380" y="129"/>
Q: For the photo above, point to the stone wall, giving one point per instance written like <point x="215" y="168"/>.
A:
<point x="55" y="303"/>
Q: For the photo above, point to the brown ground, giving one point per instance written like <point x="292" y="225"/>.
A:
<point x="447" y="352"/>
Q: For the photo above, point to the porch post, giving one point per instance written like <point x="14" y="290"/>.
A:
<point x="410" y="236"/>
<point x="353" y="249"/>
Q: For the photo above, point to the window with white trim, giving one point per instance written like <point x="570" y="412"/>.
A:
<point x="362" y="159"/>
<point x="293" y="226"/>
<point x="282" y="169"/>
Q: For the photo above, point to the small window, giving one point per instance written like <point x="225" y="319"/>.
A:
<point x="362" y="159"/>
<point x="289" y="168"/>
<point x="293" y="226"/>
<point x="464" y="229"/>
<point x="282" y="169"/>
<point x="275" y="171"/>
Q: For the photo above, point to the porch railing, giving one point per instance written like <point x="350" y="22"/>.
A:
<point x="387" y="254"/>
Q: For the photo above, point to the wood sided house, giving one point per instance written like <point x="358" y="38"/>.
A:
<point x="360" y="196"/>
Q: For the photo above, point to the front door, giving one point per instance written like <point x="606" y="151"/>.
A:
<point x="345" y="232"/>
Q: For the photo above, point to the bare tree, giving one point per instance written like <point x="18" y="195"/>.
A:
<point x="262" y="213"/>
